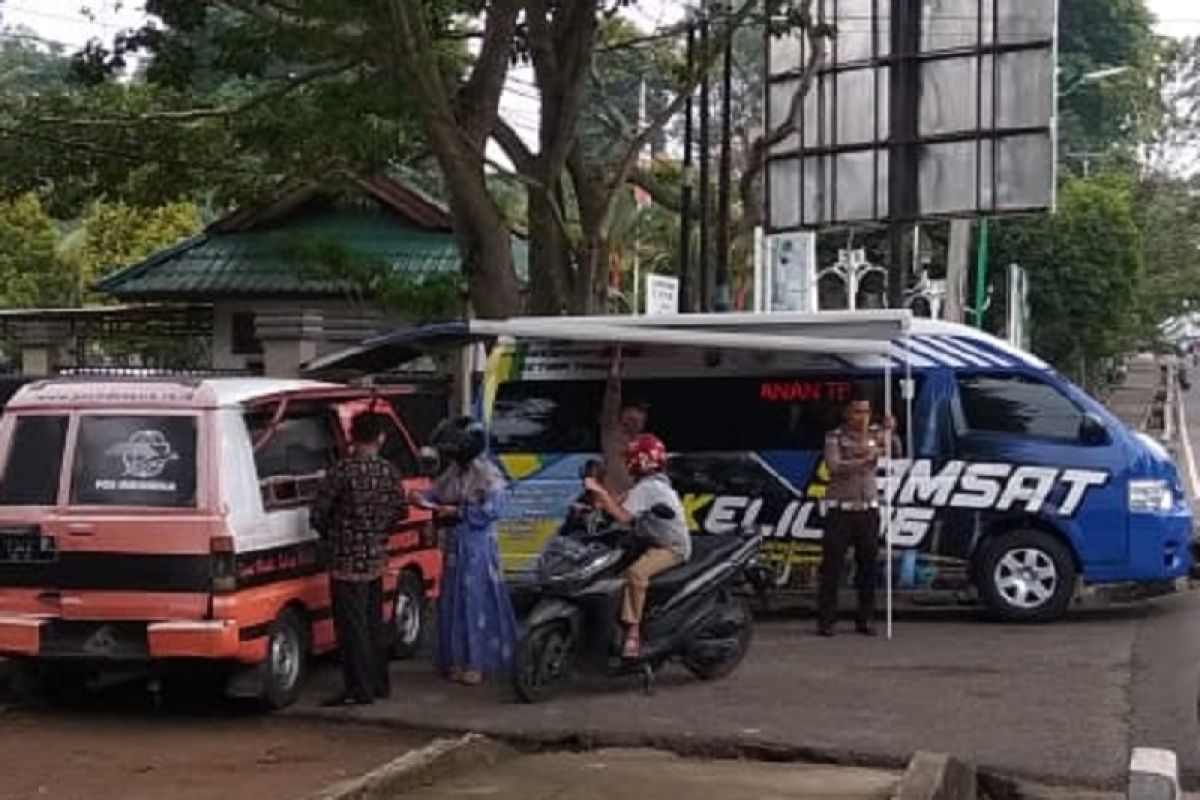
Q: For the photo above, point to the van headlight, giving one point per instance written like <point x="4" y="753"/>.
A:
<point x="1150" y="496"/>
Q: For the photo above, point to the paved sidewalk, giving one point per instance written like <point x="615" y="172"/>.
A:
<point x="1132" y="399"/>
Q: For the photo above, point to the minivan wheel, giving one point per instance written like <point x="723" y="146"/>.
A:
<point x="1025" y="576"/>
<point x="408" y="616"/>
<point x="287" y="660"/>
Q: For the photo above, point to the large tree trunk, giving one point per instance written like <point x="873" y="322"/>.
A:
<point x="591" y="282"/>
<point x="484" y="238"/>
<point x="549" y="259"/>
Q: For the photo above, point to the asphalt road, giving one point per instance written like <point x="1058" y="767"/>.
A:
<point x="1059" y="703"/>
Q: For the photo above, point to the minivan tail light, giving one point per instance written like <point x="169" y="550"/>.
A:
<point x="224" y="564"/>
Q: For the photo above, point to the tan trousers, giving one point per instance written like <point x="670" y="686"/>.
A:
<point x="637" y="581"/>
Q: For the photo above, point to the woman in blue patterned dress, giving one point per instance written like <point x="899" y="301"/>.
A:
<point x="476" y="626"/>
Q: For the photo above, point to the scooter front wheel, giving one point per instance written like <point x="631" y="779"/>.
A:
<point x="545" y="661"/>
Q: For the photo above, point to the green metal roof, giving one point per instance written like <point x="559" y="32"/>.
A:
<point x="299" y="253"/>
<point x="292" y="259"/>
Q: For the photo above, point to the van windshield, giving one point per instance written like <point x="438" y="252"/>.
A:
<point x="730" y="414"/>
<point x="34" y="462"/>
<point x="135" y="460"/>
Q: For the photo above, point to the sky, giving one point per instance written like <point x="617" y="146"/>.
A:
<point x="63" y="21"/>
<point x="75" y="22"/>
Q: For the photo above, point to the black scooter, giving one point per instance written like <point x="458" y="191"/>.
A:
<point x="693" y="612"/>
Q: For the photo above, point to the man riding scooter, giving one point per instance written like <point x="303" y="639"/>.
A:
<point x="646" y="461"/>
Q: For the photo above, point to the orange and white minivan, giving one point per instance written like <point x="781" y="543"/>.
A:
<point x="155" y="522"/>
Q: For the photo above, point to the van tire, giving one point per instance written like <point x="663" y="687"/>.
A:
<point x="409" y="616"/>
<point x="286" y="665"/>
<point x="1025" y="576"/>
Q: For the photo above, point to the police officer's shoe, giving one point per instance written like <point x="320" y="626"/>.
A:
<point x="865" y="628"/>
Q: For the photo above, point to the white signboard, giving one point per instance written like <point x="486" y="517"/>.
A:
<point x="793" y="265"/>
<point x="662" y="294"/>
<point x="981" y="107"/>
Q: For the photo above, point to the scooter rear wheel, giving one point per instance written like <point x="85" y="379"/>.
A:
<point x="722" y="642"/>
<point x="545" y="661"/>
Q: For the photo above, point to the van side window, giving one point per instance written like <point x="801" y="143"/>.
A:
<point x="691" y="415"/>
<point x="34" y="462"/>
<point x="292" y="461"/>
<point x="135" y="461"/>
<point x="1015" y="404"/>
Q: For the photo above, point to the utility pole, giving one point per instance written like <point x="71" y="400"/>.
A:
<point x="685" y="192"/>
<point x="905" y="90"/>
<point x="724" y="189"/>
<point x="957" y="269"/>
<point x="705" y="178"/>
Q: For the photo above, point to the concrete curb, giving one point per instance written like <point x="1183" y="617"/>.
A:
<point x="1153" y="774"/>
<point x="994" y="783"/>
<point x="435" y="761"/>
<point x="685" y="745"/>
<point x="936" y="776"/>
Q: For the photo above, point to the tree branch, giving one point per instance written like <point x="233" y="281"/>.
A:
<point x="663" y="195"/>
<point x="283" y="16"/>
<point x="625" y="126"/>
<point x="705" y="63"/>
<point x="190" y="115"/>
<point x="479" y="99"/>
<point x="514" y="147"/>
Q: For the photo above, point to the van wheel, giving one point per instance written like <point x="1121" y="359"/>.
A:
<point x="1025" y="576"/>
<point x="287" y="660"/>
<point x="408" y="616"/>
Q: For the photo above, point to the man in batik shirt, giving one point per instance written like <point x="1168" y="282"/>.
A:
<point x="358" y="505"/>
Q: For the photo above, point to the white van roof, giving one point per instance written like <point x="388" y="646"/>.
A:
<point x="172" y="392"/>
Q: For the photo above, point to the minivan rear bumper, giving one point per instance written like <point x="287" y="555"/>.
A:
<point x="35" y="636"/>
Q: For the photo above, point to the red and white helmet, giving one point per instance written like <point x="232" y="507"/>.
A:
<point x="644" y="455"/>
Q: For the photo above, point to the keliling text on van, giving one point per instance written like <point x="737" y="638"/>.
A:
<point x="916" y="493"/>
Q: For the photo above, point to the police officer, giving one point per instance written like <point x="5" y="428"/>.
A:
<point x="852" y="453"/>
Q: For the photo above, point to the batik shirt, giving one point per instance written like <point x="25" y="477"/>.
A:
<point x="357" y="506"/>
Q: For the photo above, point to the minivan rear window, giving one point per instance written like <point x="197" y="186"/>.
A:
<point x="34" y="461"/>
<point x="135" y="460"/>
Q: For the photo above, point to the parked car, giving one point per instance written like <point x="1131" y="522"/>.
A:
<point x="149" y="523"/>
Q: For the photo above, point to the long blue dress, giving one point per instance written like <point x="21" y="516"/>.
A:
<point x="477" y="630"/>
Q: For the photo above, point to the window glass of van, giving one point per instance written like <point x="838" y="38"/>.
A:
<point x="1014" y="404"/>
<point x="34" y="462"/>
<point x="295" y="455"/>
<point x="695" y="415"/>
<point x="137" y="460"/>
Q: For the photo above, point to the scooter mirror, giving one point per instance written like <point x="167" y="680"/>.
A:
<point x="662" y="511"/>
<point x="429" y="462"/>
<point x="592" y="468"/>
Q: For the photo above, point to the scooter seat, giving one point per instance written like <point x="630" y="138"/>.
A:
<point x="707" y="551"/>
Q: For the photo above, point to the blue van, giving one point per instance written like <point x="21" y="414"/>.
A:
<point x="1016" y="486"/>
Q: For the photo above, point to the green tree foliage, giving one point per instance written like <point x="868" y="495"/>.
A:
<point x="1086" y="272"/>
<point x="114" y="235"/>
<point x="1116" y="114"/>
<point x="31" y="273"/>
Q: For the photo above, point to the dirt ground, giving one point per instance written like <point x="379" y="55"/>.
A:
<point x="146" y="755"/>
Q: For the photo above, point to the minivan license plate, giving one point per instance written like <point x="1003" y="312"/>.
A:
<point x="25" y="548"/>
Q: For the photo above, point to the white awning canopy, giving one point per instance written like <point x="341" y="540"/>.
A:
<point x="830" y="334"/>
